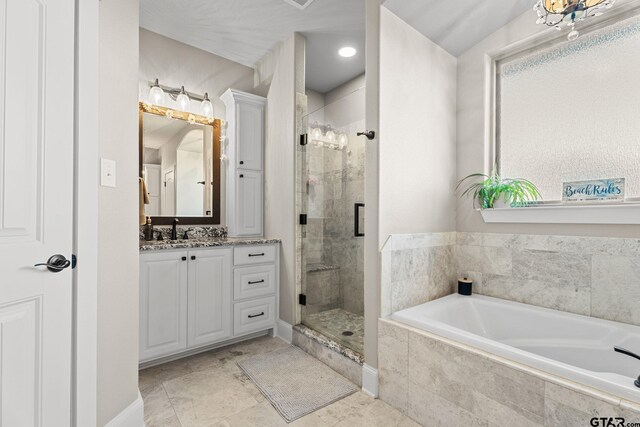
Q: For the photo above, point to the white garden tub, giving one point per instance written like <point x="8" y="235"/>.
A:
<point x="578" y="348"/>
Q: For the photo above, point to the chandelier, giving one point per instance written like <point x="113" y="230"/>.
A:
<point x="566" y="13"/>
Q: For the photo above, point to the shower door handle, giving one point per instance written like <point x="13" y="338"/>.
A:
<point x="356" y="220"/>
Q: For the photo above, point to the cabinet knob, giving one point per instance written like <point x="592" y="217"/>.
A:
<point x="193" y="257"/>
<point x="184" y="258"/>
<point x="241" y="162"/>
<point x="241" y="176"/>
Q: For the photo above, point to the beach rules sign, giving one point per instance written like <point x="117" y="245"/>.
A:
<point x="599" y="190"/>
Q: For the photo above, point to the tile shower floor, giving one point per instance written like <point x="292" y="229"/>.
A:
<point x="208" y="389"/>
<point x="336" y="324"/>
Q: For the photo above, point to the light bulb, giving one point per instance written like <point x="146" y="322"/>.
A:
<point x="331" y="135"/>
<point x="343" y="139"/>
<point x="316" y="133"/>
<point x="206" y="106"/>
<point x="156" y="94"/>
<point x="183" y="99"/>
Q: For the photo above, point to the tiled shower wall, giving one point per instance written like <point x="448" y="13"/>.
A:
<point x="593" y="276"/>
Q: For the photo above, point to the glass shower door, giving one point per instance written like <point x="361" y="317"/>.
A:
<point x="332" y="174"/>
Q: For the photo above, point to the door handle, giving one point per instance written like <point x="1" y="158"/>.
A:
<point x="55" y="264"/>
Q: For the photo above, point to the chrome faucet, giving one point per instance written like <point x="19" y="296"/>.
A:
<point x="631" y="354"/>
<point x="174" y="229"/>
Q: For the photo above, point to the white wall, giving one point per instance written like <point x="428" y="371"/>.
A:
<point x="472" y="149"/>
<point x="345" y="89"/>
<point x="417" y="131"/>
<point x="177" y="64"/>
<point x="118" y="210"/>
<point x="279" y="212"/>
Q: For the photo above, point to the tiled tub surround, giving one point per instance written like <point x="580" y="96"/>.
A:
<point x="593" y="276"/>
<point x="436" y="381"/>
<point x="575" y="347"/>
<point x="416" y="268"/>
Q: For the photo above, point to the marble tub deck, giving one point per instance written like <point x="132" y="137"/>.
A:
<point x="208" y="389"/>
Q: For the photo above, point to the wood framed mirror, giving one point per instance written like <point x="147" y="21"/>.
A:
<point x="179" y="162"/>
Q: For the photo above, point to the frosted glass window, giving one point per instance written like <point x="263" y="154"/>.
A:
<point x="571" y="112"/>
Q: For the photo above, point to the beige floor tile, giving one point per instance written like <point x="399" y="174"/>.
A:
<point x="156" y="375"/>
<point x="209" y="390"/>
<point x="204" y="398"/>
<point x="257" y="416"/>
<point x="158" y="410"/>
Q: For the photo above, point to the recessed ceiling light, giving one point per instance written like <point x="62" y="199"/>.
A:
<point x="347" y="52"/>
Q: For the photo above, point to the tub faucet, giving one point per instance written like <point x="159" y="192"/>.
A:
<point x="631" y="354"/>
<point x="174" y="229"/>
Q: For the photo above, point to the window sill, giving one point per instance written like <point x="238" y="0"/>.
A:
<point x="627" y="213"/>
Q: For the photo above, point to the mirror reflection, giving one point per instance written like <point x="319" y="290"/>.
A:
<point x="178" y="160"/>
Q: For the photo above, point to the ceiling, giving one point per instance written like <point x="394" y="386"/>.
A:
<point x="158" y="130"/>
<point x="458" y="25"/>
<point x="244" y="31"/>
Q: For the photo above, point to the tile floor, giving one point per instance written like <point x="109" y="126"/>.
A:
<point x="209" y="389"/>
<point x="332" y="323"/>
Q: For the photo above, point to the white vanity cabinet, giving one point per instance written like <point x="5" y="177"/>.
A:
<point x="245" y="151"/>
<point x="163" y="303"/>
<point x="209" y="296"/>
<point x="203" y="297"/>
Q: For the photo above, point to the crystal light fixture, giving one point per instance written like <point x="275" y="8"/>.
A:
<point x="156" y="94"/>
<point x="206" y="106"/>
<point x="566" y="13"/>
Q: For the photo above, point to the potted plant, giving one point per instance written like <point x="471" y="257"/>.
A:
<point x="494" y="190"/>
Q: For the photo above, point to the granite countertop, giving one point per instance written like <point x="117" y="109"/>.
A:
<point x="157" y="245"/>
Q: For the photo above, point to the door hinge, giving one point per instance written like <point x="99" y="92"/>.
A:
<point x="302" y="299"/>
<point x="304" y="139"/>
<point x="303" y="219"/>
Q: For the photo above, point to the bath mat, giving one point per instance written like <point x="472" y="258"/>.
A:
<point x="295" y="383"/>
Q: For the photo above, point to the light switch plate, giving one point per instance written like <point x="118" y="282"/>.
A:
<point x="107" y="173"/>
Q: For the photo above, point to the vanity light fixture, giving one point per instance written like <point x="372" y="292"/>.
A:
<point x="156" y="94"/>
<point x="566" y="13"/>
<point x="206" y="106"/>
<point x="347" y="52"/>
<point x="181" y="96"/>
<point x="183" y="99"/>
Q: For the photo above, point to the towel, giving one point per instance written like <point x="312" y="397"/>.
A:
<point x="144" y="200"/>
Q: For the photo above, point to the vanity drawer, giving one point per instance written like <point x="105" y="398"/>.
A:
<point x="252" y="316"/>
<point x="251" y="282"/>
<point x="247" y="255"/>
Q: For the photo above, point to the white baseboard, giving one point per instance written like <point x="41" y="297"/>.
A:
<point x="285" y="331"/>
<point x="370" y="380"/>
<point x="131" y="416"/>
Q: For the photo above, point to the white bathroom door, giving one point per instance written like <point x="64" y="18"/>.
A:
<point x="36" y="210"/>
